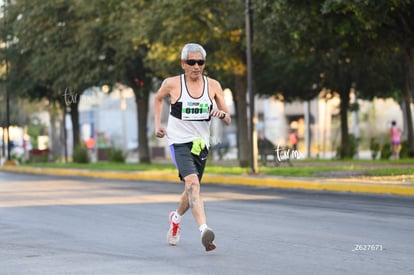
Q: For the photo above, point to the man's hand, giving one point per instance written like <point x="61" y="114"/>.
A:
<point x="160" y="132"/>
<point x="218" y="113"/>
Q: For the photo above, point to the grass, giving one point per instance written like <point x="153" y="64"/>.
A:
<point x="107" y="166"/>
<point x="303" y="168"/>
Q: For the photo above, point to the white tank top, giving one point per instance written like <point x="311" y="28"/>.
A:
<point x="189" y="117"/>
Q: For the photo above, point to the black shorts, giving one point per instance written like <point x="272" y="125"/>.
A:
<point x="186" y="162"/>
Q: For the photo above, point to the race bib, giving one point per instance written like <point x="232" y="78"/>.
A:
<point x="195" y="111"/>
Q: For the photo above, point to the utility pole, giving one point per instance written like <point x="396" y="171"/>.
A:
<point x="253" y="134"/>
<point x="7" y="110"/>
<point x="6" y="43"/>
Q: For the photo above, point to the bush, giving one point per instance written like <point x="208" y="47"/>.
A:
<point x="375" y="147"/>
<point x="405" y="150"/>
<point x="386" y="150"/>
<point x="353" y="147"/>
<point x="37" y="155"/>
<point x="80" y="155"/>
<point x="117" y="155"/>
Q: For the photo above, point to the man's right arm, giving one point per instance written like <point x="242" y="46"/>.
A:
<point x="158" y="104"/>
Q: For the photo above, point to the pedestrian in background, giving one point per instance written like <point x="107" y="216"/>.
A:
<point x="191" y="96"/>
<point x="90" y="146"/>
<point x="293" y="140"/>
<point x="395" y="134"/>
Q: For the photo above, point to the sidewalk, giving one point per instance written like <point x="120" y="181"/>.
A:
<point x="393" y="185"/>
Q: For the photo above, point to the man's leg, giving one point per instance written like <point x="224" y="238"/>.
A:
<point x="191" y="199"/>
<point x="173" y="234"/>
<point x="191" y="169"/>
<point x="183" y="204"/>
<point x="195" y="202"/>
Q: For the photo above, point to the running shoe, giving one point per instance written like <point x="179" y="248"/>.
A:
<point x="207" y="239"/>
<point x="173" y="234"/>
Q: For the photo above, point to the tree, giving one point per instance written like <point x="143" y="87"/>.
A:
<point x="137" y="76"/>
<point x="391" y="25"/>
<point x="220" y="29"/>
<point x="316" y="45"/>
<point x="73" y="45"/>
<point x="46" y="71"/>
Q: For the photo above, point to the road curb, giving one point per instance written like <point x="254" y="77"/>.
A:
<point x="246" y="180"/>
<point x="311" y="184"/>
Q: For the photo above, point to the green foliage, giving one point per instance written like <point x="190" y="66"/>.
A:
<point x="39" y="156"/>
<point x="305" y="168"/>
<point x="117" y="155"/>
<point x="405" y="149"/>
<point x="386" y="151"/>
<point x="80" y="154"/>
<point x="17" y="157"/>
<point x="111" y="166"/>
<point x="34" y="130"/>
<point x="334" y="45"/>
<point x="353" y="147"/>
<point x="322" y="43"/>
<point x="375" y="147"/>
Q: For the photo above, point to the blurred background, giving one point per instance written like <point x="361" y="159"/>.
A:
<point x="77" y="78"/>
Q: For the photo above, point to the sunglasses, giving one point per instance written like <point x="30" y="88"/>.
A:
<point x="192" y="62"/>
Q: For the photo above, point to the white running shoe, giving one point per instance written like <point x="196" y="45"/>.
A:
<point x="173" y="234"/>
<point x="207" y="239"/>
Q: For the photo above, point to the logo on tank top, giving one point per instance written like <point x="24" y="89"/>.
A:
<point x="193" y="110"/>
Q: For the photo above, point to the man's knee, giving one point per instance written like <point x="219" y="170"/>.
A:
<point x="192" y="185"/>
<point x="192" y="188"/>
<point x="191" y="180"/>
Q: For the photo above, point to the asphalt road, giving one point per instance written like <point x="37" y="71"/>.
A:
<point x="62" y="225"/>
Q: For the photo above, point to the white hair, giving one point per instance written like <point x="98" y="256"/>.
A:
<point x="191" y="48"/>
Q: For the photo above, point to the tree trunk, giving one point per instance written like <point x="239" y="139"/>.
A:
<point x="345" y="151"/>
<point x="409" y="64"/>
<point x="65" y="133"/>
<point x="142" y="101"/>
<point x="74" y="116"/>
<point x="56" y="145"/>
<point x="242" y="125"/>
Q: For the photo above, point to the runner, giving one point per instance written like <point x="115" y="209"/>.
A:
<point x="188" y="132"/>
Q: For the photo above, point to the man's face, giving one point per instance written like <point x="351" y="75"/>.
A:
<point x="196" y="70"/>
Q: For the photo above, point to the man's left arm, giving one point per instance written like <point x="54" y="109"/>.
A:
<point x="222" y="112"/>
